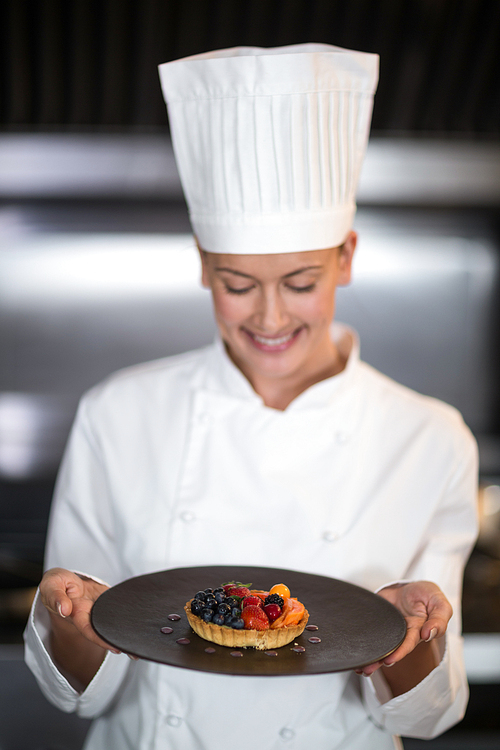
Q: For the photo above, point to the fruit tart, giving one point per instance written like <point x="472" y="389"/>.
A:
<point x="236" y="616"/>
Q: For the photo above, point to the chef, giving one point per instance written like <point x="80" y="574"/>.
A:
<point x="276" y="446"/>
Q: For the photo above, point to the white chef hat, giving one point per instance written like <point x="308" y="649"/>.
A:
<point x="269" y="143"/>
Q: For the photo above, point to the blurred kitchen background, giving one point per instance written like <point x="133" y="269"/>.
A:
<point x="98" y="268"/>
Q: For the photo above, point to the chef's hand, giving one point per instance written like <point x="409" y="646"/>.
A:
<point x="427" y="612"/>
<point x="69" y="599"/>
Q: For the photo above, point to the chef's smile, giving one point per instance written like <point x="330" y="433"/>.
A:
<point x="273" y="343"/>
<point x="274" y="312"/>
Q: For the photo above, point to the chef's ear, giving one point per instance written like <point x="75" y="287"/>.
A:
<point x="205" y="282"/>
<point x="346" y="254"/>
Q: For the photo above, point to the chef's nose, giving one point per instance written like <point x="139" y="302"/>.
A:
<point x="272" y="315"/>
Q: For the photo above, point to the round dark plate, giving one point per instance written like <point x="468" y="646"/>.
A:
<point x="355" y="626"/>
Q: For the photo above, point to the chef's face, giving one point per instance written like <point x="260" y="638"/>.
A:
<point x="274" y="311"/>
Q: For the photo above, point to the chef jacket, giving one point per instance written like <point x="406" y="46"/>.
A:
<point x="179" y="463"/>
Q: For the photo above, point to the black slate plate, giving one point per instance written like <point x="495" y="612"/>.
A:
<point x="356" y="627"/>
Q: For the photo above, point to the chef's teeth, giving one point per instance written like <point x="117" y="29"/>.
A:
<point x="273" y="342"/>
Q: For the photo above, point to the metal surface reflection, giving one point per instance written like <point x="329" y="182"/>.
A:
<point x="76" y="306"/>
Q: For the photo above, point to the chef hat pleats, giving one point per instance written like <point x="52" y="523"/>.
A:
<point x="269" y="143"/>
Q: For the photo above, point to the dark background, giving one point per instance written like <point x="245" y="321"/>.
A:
<point x="91" y="64"/>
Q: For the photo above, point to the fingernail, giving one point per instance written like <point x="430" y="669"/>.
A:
<point x="59" y="609"/>
<point x="432" y="635"/>
<point x="389" y="665"/>
<point x="358" y="671"/>
<point x="114" y="651"/>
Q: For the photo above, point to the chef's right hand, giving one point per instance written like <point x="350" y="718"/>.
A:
<point x="69" y="599"/>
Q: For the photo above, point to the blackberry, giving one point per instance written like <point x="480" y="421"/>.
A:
<point x="274" y="599"/>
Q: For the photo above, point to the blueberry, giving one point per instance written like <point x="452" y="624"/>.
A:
<point x="237" y="623"/>
<point x="228" y="619"/>
<point x="200" y="595"/>
<point x="207" y="614"/>
<point x="218" y="619"/>
<point x="219" y="596"/>
<point x="235" y="611"/>
<point x="223" y="609"/>
<point x="210" y="601"/>
<point x="219" y="590"/>
<point x="232" y="601"/>
<point x="209" y="591"/>
<point x="196" y="606"/>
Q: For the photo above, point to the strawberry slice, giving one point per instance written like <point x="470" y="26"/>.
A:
<point x="254" y="618"/>
<point x="237" y="591"/>
<point x="251" y="600"/>
<point x="261" y="594"/>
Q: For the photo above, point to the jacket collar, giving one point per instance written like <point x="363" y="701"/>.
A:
<point x="224" y="378"/>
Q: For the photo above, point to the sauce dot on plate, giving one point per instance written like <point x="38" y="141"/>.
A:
<point x="236" y="653"/>
<point x="183" y="641"/>
<point x="173" y="617"/>
<point x="298" y="649"/>
<point x="314" y="639"/>
<point x="210" y="650"/>
<point x="271" y="653"/>
<point x="311" y="627"/>
<point x="166" y="630"/>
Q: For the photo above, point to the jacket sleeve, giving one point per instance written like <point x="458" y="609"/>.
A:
<point x="440" y="700"/>
<point x="81" y="537"/>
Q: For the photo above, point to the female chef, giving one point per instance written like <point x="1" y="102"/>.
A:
<point x="275" y="446"/>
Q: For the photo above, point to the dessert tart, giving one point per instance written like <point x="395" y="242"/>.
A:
<point x="238" y="617"/>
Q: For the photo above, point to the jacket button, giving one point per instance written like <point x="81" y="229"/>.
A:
<point x="187" y="516"/>
<point x="330" y="536"/>
<point x="287" y="734"/>
<point x="173" y="721"/>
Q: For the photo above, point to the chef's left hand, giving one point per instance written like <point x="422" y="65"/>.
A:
<point x="427" y="612"/>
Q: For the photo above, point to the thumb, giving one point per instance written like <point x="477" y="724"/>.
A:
<point x="57" y="588"/>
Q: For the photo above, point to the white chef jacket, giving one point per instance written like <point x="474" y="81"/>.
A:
<point x="178" y="462"/>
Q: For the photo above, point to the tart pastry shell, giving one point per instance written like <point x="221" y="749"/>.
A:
<point x="263" y="640"/>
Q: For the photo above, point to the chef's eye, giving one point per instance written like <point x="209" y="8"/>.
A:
<point x="235" y="290"/>
<point x="299" y="289"/>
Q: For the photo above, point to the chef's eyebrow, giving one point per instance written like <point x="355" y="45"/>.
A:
<point x="286" y="276"/>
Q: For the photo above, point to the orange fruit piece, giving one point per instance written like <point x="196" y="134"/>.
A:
<point x="281" y="590"/>
<point x="292" y="613"/>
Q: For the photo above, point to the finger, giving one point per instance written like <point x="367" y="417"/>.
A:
<point x="57" y="587"/>
<point x="81" y="621"/>
<point x="437" y="621"/>
<point x="89" y="633"/>
<point x="412" y="639"/>
<point x="57" y="602"/>
<point x="369" y="669"/>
